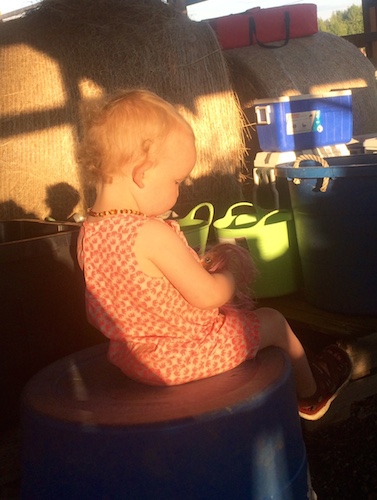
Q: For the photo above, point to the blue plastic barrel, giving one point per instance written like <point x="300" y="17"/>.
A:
<point x="336" y="231"/>
<point x="90" y="432"/>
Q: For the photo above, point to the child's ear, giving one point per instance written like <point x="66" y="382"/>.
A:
<point x="139" y="171"/>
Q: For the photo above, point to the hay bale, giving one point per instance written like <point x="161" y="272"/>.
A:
<point x="309" y="65"/>
<point x="66" y="51"/>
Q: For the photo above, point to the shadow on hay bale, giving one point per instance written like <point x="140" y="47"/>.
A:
<point x="310" y="65"/>
<point x="66" y="51"/>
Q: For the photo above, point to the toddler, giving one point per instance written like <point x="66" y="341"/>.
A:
<point x="146" y="289"/>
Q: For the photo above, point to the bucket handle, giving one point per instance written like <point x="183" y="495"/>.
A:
<point x="191" y="215"/>
<point x="284" y="216"/>
<point x="259" y="212"/>
<point x="229" y="212"/>
<point x="319" y="159"/>
<point x="239" y="204"/>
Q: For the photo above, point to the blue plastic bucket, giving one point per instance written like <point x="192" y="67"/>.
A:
<point x="336" y="230"/>
<point x="89" y="432"/>
<point x="269" y="237"/>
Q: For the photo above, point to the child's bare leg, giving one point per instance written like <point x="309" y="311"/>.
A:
<point x="275" y="331"/>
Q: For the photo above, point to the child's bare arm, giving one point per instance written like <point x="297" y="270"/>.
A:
<point x="160" y="251"/>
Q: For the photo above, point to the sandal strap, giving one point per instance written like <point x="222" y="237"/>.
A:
<point x="323" y="382"/>
<point x="330" y="368"/>
<point x="337" y="362"/>
<point x="321" y="377"/>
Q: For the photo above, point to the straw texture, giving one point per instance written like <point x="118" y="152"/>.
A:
<point x="66" y="51"/>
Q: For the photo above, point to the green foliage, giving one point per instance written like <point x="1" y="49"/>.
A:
<point x="342" y="23"/>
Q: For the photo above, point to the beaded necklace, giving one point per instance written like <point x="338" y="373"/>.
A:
<point x="114" y="211"/>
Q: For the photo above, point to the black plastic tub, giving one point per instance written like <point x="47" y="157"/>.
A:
<point x="42" y="307"/>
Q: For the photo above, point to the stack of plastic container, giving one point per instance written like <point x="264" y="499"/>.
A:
<point x="331" y="196"/>
<point x="317" y="126"/>
<point x="289" y="127"/>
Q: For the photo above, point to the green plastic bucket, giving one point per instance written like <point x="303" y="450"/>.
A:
<point x="196" y="230"/>
<point x="270" y="238"/>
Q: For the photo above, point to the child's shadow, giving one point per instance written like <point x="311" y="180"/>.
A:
<point x="61" y="199"/>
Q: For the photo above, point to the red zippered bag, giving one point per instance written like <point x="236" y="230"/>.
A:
<point x="266" y="26"/>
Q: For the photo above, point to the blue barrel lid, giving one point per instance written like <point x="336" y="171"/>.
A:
<point x="364" y="165"/>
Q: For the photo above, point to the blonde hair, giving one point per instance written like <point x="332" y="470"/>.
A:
<point x="124" y="130"/>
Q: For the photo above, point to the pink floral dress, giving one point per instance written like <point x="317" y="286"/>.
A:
<point x="156" y="336"/>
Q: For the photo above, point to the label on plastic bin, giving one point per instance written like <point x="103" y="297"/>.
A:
<point x="303" y="122"/>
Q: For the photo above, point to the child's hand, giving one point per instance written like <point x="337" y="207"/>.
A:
<point x="237" y="260"/>
<point x="171" y="257"/>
